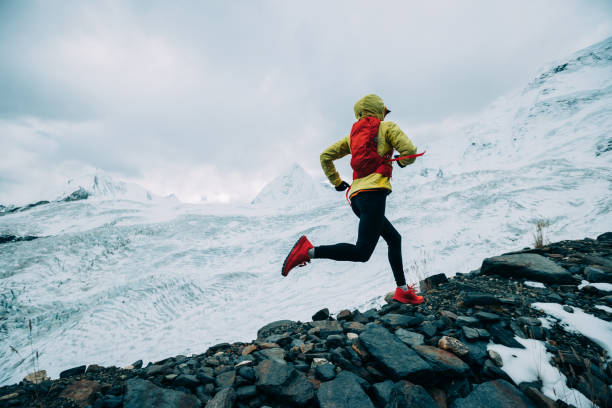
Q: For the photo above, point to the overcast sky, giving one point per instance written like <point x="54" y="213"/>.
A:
<point x="214" y="99"/>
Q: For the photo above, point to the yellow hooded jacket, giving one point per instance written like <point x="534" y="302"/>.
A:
<point x="390" y="137"/>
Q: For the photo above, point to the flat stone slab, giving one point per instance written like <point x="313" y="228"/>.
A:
<point x="444" y="362"/>
<point x="410" y="338"/>
<point x="343" y="392"/>
<point x="395" y="358"/>
<point x="530" y="266"/>
<point x="494" y="394"/>
<point x="400" y="320"/>
<point x="144" y="394"/>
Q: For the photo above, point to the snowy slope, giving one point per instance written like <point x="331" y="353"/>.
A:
<point x="118" y="276"/>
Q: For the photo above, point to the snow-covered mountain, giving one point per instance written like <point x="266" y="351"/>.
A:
<point x="291" y="188"/>
<point x="116" y="279"/>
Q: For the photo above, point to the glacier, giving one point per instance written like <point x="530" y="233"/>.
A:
<point x="126" y="275"/>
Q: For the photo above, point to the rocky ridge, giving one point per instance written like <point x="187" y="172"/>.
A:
<point x="431" y="355"/>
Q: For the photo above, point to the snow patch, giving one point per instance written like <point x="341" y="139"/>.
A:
<point x="535" y="284"/>
<point x="588" y="325"/>
<point x="605" y="287"/>
<point x="606" y="309"/>
<point x="533" y="363"/>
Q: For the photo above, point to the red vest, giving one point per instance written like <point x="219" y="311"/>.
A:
<point x="365" y="159"/>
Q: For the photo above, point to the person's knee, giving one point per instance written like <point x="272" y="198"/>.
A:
<point x="394" y="239"/>
<point x="364" y="255"/>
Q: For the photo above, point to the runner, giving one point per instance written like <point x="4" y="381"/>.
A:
<point x="371" y="143"/>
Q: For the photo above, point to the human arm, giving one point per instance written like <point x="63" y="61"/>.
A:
<point x="401" y="143"/>
<point x="334" y="152"/>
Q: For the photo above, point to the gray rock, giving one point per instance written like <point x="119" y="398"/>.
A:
<point x="486" y="316"/>
<point x="335" y="340"/>
<point x="343" y="391"/>
<point x="280" y="339"/>
<point x="205" y="376"/>
<point x="322" y="314"/>
<point x="466" y="321"/>
<point x="187" y="380"/>
<point x="226" y="379"/>
<point x="274" y="353"/>
<point x="385" y="348"/>
<point x="381" y="392"/>
<point x="325" y="372"/>
<point x="433" y="281"/>
<point x="404" y="395"/>
<point x="283" y="382"/>
<point x="354" y="327"/>
<point x="223" y="399"/>
<point x="478" y="352"/>
<point x="429" y="329"/>
<point x="247" y="373"/>
<point x="363" y="383"/>
<point x="73" y="371"/>
<point x="483" y="333"/>
<point x="246" y="392"/>
<point x="494" y="394"/>
<point x="328" y="327"/>
<point x="476" y="298"/>
<point x="492" y="371"/>
<point x="529" y="321"/>
<point x="112" y="401"/>
<point x="410" y="338"/>
<point x="530" y="266"/>
<point x="470" y="333"/>
<point x="275" y="327"/>
<point x="400" y="320"/>
<point x="597" y="275"/>
<point x="371" y="314"/>
<point x="144" y="394"/>
<point x="568" y="309"/>
<point x="443" y="362"/>
<point x="504" y="336"/>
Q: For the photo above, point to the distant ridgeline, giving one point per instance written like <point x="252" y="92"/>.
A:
<point x="530" y="328"/>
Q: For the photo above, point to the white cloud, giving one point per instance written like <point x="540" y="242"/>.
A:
<point x="177" y="98"/>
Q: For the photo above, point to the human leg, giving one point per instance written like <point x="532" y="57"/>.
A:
<point x="394" y="244"/>
<point x="369" y="206"/>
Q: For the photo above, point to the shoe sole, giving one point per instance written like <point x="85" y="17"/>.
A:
<point x="409" y="303"/>
<point x="290" y="252"/>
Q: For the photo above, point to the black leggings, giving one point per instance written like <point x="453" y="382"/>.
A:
<point x="369" y="206"/>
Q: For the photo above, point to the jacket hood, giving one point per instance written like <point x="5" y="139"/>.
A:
<point x="370" y="105"/>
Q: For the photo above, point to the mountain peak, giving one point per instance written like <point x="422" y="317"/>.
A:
<point x="292" y="186"/>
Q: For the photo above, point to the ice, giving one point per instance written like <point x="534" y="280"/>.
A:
<point x="588" y="325"/>
<point x="535" y="284"/>
<point x="532" y="364"/>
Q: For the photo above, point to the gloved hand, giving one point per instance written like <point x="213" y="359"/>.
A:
<point x="342" y="186"/>
<point x="398" y="163"/>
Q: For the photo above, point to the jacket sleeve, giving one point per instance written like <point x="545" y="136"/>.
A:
<point x="334" y="152"/>
<point x="401" y="143"/>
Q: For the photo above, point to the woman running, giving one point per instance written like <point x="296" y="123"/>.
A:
<point x="371" y="143"/>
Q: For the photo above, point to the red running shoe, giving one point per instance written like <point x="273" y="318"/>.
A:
<point x="298" y="255"/>
<point x="407" y="296"/>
